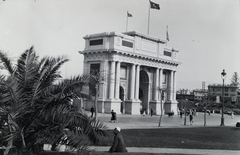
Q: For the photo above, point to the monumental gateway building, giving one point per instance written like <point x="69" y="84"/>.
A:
<point x="134" y="67"/>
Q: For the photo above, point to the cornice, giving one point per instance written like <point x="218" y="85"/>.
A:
<point x="130" y="54"/>
<point x="131" y="59"/>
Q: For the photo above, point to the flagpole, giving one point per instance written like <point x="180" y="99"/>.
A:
<point x="166" y="35"/>
<point x="148" y="17"/>
<point x="127" y="22"/>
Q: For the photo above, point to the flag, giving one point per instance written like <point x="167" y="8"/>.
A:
<point x="167" y="36"/>
<point x="154" y="5"/>
<point x="129" y="15"/>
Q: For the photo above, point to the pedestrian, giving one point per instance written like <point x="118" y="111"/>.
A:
<point x="181" y="113"/>
<point x="144" y="113"/>
<point x="151" y="112"/>
<point x="178" y="112"/>
<point x="113" y="117"/>
<point x="232" y="115"/>
<point x="118" y="143"/>
<point x="191" y="116"/>
<point x="194" y="112"/>
<point x="92" y="111"/>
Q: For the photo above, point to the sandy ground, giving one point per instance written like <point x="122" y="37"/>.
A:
<point x="139" y="121"/>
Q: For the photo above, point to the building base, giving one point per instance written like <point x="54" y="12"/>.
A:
<point x="171" y="106"/>
<point x="100" y="105"/>
<point x="156" y="107"/>
<point x="132" y="107"/>
<point x="114" y="105"/>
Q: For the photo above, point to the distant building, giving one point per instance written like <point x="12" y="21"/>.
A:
<point x="230" y="91"/>
<point x="199" y="94"/>
<point x="189" y="97"/>
<point x="185" y="94"/>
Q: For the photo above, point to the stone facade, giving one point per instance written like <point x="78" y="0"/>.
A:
<point x="134" y="66"/>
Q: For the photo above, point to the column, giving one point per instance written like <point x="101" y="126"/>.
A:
<point x="132" y="88"/>
<point x="156" y="84"/>
<point x="102" y="87"/>
<point x="171" y="86"/>
<point x="137" y="82"/>
<point x="117" y="83"/>
<point x="112" y="80"/>
<point x="160" y="81"/>
<point x="86" y="68"/>
<point x="175" y="85"/>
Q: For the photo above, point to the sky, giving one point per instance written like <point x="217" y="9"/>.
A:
<point x="206" y="32"/>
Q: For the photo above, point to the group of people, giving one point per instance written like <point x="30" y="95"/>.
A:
<point x="113" y="117"/>
<point x="189" y="113"/>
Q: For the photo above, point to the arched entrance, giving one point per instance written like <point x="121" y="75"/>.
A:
<point x="122" y="98"/>
<point x="144" y="91"/>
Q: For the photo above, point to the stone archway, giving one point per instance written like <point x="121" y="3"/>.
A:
<point x="144" y="91"/>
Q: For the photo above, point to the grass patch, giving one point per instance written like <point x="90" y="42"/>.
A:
<point x="223" y="138"/>
<point x="132" y="153"/>
<point x="104" y="153"/>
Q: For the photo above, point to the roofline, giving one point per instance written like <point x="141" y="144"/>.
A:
<point x="124" y="34"/>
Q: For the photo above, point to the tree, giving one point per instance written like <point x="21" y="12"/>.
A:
<point x="161" y="90"/>
<point x="38" y="106"/>
<point x="96" y="79"/>
<point x="235" y="79"/>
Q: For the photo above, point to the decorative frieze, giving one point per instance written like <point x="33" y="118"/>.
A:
<point x="131" y="59"/>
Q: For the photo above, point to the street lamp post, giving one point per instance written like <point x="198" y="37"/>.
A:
<point x="223" y="74"/>
<point x="185" y="112"/>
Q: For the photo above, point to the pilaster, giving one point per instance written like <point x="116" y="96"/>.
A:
<point x="112" y="80"/>
<point x="132" y="83"/>
<point x="137" y="82"/>
<point x="117" y="83"/>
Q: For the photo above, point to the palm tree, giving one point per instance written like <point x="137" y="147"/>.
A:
<point x="97" y="78"/>
<point x="39" y="106"/>
<point x="161" y="90"/>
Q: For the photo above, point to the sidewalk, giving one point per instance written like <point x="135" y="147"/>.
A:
<point x="170" y="150"/>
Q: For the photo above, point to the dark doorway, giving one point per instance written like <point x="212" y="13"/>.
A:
<point x="144" y="91"/>
<point x="122" y="98"/>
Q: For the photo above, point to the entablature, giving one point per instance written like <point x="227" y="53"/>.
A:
<point x="131" y="59"/>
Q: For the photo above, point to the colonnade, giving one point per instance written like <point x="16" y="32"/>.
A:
<point x="109" y="89"/>
<point x="114" y="82"/>
<point x="170" y="86"/>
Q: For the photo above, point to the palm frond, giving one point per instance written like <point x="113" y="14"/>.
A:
<point x="40" y="110"/>
<point x="50" y="69"/>
<point x="6" y="62"/>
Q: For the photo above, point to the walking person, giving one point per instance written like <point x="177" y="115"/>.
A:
<point x="181" y="113"/>
<point x="114" y="117"/>
<point x="118" y="143"/>
<point x="151" y="112"/>
<point x="144" y="113"/>
<point x="92" y="111"/>
<point x="191" y="116"/>
<point x="232" y="115"/>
